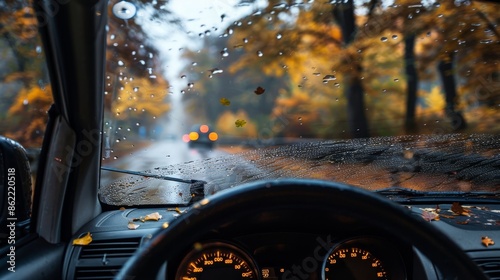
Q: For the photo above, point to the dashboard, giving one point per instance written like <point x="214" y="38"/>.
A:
<point x="293" y="229"/>
<point x="296" y="246"/>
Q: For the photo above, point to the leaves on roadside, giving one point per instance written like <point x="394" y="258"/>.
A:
<point x="224" y="101"/>
<point x="486" y="241"/>
<point x="240" y="123"/>
<point x="458" y="209"/>
<point x="84" y="240"/>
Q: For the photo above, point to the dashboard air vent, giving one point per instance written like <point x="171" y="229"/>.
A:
<point x="111" y="248"/>
<point x="102" y="259"/>
<point x="490" y="266"/>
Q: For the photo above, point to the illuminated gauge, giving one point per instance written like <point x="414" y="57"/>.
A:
<point x="216" y="261"/>
<point x="363" y="258"/>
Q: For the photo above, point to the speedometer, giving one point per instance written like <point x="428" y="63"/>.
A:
<point x="216" y="260"/>
<point x="363" y="258"/>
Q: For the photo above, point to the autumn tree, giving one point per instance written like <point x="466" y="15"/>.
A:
<point x="136" y="91"/>
<point x="23" y="76"/>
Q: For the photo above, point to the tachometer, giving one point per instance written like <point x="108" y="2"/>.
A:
<point x="216" y="260"/>
<point x="363" y="258"/>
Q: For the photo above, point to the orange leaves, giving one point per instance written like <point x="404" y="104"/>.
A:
<point x="457" y="209"/>
<point x="486" y="241"/>
<point x="84" y="240"/>
<point x="176" y="209"/>
<point x="155" y="216"/>
<point x="152" y="217"/>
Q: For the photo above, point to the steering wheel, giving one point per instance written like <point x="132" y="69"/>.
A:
<point x="272" y="199"/>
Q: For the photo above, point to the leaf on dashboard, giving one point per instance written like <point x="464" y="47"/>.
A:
<point x="430" y="216"/>
<point x="131" y="225"/>
<point x="176" y="209"/>
<point x="486" y="241"/>
<point x="458" y="209"/>
<point x="84" y="240"/>
<point x="152" y="217"/>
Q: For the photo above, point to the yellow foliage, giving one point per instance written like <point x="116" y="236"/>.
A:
<point x="435" y="100"/>
<point x="138" y="97"/>
<point x="30" y="107"/>
<point x="35" y="97"/>
<point x="82" y="241"/>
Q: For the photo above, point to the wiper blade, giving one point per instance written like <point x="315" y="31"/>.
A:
<point x="196" y="188"/>
<point x="409" y="194"/>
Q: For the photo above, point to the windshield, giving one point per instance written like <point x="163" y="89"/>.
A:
<point x="374" y="94"/>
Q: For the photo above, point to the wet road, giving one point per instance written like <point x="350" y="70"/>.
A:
<point x="159" y="154"/>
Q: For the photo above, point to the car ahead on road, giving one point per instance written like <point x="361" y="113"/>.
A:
<point x="201" y="136"/>
<point x="391" y="109"/>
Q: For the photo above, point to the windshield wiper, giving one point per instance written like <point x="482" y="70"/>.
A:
<point x="405" y="194"/>
<point x="196" y="188"/>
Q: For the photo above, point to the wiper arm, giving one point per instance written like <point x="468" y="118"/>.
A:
<point x="196" y="188"/>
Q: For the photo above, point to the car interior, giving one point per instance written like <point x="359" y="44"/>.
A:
<point x="284" y="228"/>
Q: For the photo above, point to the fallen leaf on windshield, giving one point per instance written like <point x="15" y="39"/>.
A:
<point x="487" y="241"/>
<point x="82" y="241"/>
<point x="224" y="101"/>
<point x="122" y="208"/>
<point x="259" y="90"/>
<point x="240" y="123"/>
<point x="430" y="216"/>
<point x="457" y="209"/>
<point x="152" y="217"/>
<point x="131" y="225"/>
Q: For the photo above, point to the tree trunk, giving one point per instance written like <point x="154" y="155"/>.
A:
<point x="411" y="84"/>
<point x="344" y="14"/>
<point x="445" y="68"/>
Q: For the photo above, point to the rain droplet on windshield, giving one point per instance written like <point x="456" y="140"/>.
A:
<point x="383" y="39"/>
<point x="124" y="10"/>
<point x="224" y="53"/>
<point x="215" y="71"/>
<point x="328" y="78"/>
<point x="278" y="36"/>
<point x="259" y="53"/>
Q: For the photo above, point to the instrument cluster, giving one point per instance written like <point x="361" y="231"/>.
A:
<point x="296" y="256"/>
